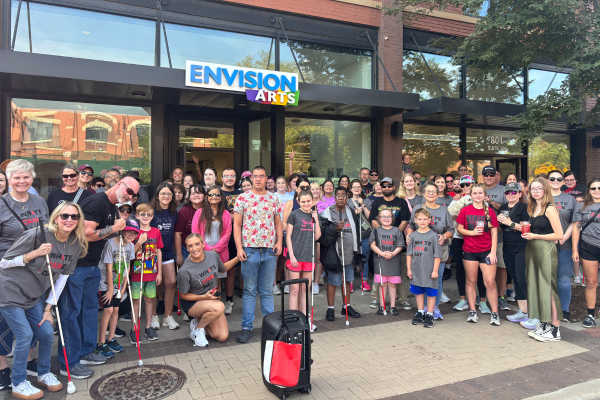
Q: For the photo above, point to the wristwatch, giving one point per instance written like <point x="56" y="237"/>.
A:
<point x="512" y="225"/>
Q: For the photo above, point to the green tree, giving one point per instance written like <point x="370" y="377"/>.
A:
<point x="417" y="79"/>
<point x="542" y="152"/>
<point x="262" y="61"/>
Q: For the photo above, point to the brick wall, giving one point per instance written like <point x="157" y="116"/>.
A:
<point x="591" y="159"/>
<point x="444" y="25"/>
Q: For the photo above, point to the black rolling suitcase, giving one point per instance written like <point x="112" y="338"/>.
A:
<point x="288" y="331"/>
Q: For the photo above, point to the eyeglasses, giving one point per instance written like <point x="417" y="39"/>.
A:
<point x="112" y="176"/>
<point x="99" y="185"/>
<point x="304" y="187"/>
<point x="144" y="215"/>
<point x="386" y="217"/>
<point x="69" y="176"/>
<point x="511" y="192"/>
<point x="431" y="192"/>
<point x="65" y="217"/>
<point x="166" y="194"/>
<point x="129" y="190"/>
<point x="462" y="169"/>
<point x="595" y="188"/>
<point x="124" y="209"/>
<point x="535" y="190"/>
<point x="88" y="173"/>
<point x="341" y="197"/>
<point x="214" y="195"/>
<point x="558" y="178"/>
<point x="462" y="185"/>
<point x="259" y="176"/>
<point x="228" y="176"/>
<point x="489" y="175"/>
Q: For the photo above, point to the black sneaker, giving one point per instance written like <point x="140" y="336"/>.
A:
<point x="132" y="338"/>
<point x="5" y="382"/>
<point x="120" y="332"/>
<point x="447" y="274"/>
<point x="418" y="319"/>
<point x="125" y="317"/>
<point x="428" y="321"/>
<point x="160" y="307"/>
<point x="244" y="336"/>
<point x="151" y="334"/>
<point x="32" y="367"/>
<point x="380" y="311"/>
<point x="393" y="311"/>
<point x="566" y="316"/>
<point x="330" y="315"/>
<point x="589" y="322"/>
<point x="55" y="328"/>
<point x="351" y="312"/>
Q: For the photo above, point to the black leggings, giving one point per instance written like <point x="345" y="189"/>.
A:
<point x="461" y="278"/>
<point x="515" y="266"/>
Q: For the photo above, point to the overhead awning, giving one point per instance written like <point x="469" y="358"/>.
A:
<point x="47" y="76"/>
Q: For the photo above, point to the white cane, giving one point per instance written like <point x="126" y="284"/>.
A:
<point x="119" y="259"/>
<point x="344" y="271"/>
<point x="312" y="300"/>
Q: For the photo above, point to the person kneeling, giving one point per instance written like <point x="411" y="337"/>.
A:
<point x="197" y="283"/>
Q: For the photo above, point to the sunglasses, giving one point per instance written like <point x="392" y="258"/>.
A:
<point x="386" y="186"/>
<point x="374" y="175"/>
<point x="214" y="195"/>
<point x="489" y="175"/>
<point x="595" y="188"/>
<point x="99" y="185"/>
<point x="124" y="209"/>
<point x="418" y="184"/>
<point x="511" y="192"/>
<point x="65" y="217"/>
<point x="452" y="181"/>
<point x="462" y="185"/>
<point x="69" y="176"/>
<point x="129" y="190"/>
<point x="146" y="215"/>
<point x="304" y="187"/>
<point x="559" y="178"/>
<point x="87" y="173"/>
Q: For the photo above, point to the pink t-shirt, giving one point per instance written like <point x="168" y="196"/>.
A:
<point x="258" y="218"/>
<point x="324" y="203"/>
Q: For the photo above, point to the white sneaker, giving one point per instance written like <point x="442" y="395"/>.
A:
<point x="170" y="322"/>
<point x="577" y="280"/>
<point x="199" y="337"/>
<point x="228" y="307"/>
<point x="445" y="299"/>
<point x="276" y="290"/>
<point x="286" y="289"/>
<point x="312" y="327"/>
<point x="193" y="324"/>
<point x="155" y="322"/>
<point x="25" y="390"/>
<point x="185" y="317"/>
<point x="9" y="355"/>
<point x="315" y="288"/>
<point x="50" y="382"/>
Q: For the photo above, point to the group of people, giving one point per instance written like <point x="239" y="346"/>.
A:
<point x="105" y="241"/>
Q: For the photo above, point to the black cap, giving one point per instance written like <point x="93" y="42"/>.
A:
<point x="489" y="169"/>
<point x="133" y="174"/>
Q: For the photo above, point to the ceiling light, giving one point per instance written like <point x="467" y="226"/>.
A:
<point x="138" y="93"/>
<point x="328" y="109"/>
<point x="242" y="103"/>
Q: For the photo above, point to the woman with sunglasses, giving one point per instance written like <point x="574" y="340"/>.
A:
<point x="586" y="245"/>
<point x="328" y="198"/>
<point x="70" y="191"/>
<point x="185" y="215"/>
<point x="86" y="174"/>
<point x="566" y="205"/>
<point x="444" y="199"/>
<point x="24" y="285"/>
<point x="409" y="191"/>
<point x="165" y="219"/>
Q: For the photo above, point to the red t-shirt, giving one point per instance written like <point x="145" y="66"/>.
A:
<point x="468" y="218"/>
<point x="146" y="256"/>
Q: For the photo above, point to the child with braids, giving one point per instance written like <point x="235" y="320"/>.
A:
<point x="479" y="226"/>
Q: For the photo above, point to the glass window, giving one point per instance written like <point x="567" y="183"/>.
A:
<point x="433" y="149"/>
<point x="77" y="33"/>
<point x="540" y="81"/>
<point x="219" y="47"/>
<point x="96" y="134"/>
<point x="548" y="152"/>
<point x="498" y="88"/>
<point x="260" y="144"/>
<point x="417" y="79"/>
<point x="206" y="134"/>
<point x="328" y="149"/>
<point x="328" y="64"/>
<point x="492" y="142"/>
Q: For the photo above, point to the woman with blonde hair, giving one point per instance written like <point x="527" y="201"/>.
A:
<point x="409" y="191"/>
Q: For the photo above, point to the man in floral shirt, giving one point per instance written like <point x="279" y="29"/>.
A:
<point x="258" y="236"/>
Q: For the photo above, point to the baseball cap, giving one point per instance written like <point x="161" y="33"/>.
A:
<point x="467" y="179"/>
<point x="388" y="180"/>
<point x="131" y="225"/>
<point x="489" y="169"/>
<point x="513" y="186"/>
<point x="84" y="166"/>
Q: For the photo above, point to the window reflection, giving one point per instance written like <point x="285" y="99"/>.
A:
<point x="260" y="144"/>
<point x="417" y="79"/>
<point x="433" y="149"/>
<point x="498" y="88"/>
<point x="548" y="152"/>
<point x="540" y="81"/>
<point x="489" y="141"/>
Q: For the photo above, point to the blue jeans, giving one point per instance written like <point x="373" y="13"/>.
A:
<point x="366" y="250"/>
<point x="184" y="253"/>
<point x="563" y="275"/>
<point x="7" y="336"/>
<point x="438" y="298"/>
<point x="24" y="323"/>
<point x="258" y="272"/>
<point x="79" y="302"/>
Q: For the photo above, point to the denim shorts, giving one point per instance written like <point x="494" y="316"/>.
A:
<point x="335" y="278"/>
<point x="417" y="290"/>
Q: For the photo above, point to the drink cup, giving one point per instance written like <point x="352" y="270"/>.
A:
<point x="480" y="224"/>
<point x="525" y="226"/>
<point x="504" y="213"/>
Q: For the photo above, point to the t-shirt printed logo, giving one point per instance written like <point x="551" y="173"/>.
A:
<point x="472" y="222"/>
<point x="206" y="277"/>
<point x="146" y="257"/>
<point x="30" y="216"/>
<point x="57" y="262"/>
<point x="421" y="247"/>
<point x="308" y="225"/>
<point x="388" y="242"/>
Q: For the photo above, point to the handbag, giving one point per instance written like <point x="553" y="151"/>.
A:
<point x="359" y="262"/>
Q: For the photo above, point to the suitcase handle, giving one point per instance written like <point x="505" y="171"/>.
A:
<point x="293" y="282"/>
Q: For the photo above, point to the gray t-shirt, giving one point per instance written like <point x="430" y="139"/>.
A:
<point x="365" y="226"/>
<point x="415" y="200"/>
<point x="441" y="220"/>
<point x="591" y="235"/>
<point x="347" y="235"/>
<point x="444" y="201"/>
<point x="28" y="212"/>
<point x="423" y="248"/>
<point x="387" y="240"/>
<point x="25" y="286"/>
<point x="302" y="235"/>
<point x="110" y="255"/>
<point x="496" y="194"/>
<point x="200" y="278"/>
<point x="566" y="208"/>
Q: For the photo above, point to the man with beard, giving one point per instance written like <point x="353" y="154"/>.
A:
<point x="367" y="187"/>
<point x="79" y="301"/>
<point x="230" y="193"/>
<point x="112" y="177"/>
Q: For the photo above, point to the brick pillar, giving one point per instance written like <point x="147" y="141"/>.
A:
<point x="591" y="163"/>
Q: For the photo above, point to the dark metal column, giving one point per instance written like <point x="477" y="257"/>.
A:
<point x="5" y="24"/>
<point x="158" y="141"/>
<point x="277" y="141"/>
<point x="463" y="144"/>
<point x="4" y="126"/>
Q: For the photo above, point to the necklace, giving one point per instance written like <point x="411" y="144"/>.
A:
<point x="21" y="202"/>
<point x="63" y="242"/>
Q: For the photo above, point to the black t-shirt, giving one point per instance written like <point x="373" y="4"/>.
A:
<point x="398" y="206"/>
<point x="575" y="191"/>
<point x="229" y="198"/>
<point x="59" y="196"/>
<point x="99" y="209"/>
<point x="367" y="189"/>
<point x="512" y="238"/>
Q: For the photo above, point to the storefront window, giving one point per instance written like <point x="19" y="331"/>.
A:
<point x="498" y="88"/>
<point x="219" y="47"/>
<point x="210" y="142"/>
<point x="417" y="79"/>
<point x="548" y="152"/>
<point x="260" y="144"/>
<point x="52" y="133"/>
<point x="328" y="64"/>
<point x="71" y="32"/>
<point x="540" y="81"/>
<point x="488" y="141"/>
<point x="433" y="149"/>
<point x="328" y="149"/>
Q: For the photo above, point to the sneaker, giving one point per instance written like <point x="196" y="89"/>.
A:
<point x="445" y="299"/>
<point x="530" y="323"/>
<point x="589" y="321"/>
<point x="447" y="274"/>
<point x="428" y="321"/>
<point x="366" y="287"/>
<point x="510" y="295"/>
<point x="406" y="305"/>
<point x="380" y="311"/>
<point x="25" y="390"/>
<point x="193" y="324"/>
<point x="566" y="316"/>
<point x="50" y="382"/>
<point x="393" y="311"/>
<point x="322" y="281"/>
<point x="286" y="289"/>
<point x="461" y="305"/>
<point x="170" y="322"/>
<point x="472" y="317"/>
<point x="120" y="332"/>
<point x="483" y="307"/>
<point x="12" y="351"/>
<point x="351" y="312"/>
<point x="199" y="338"/>
<point x="503" y="304"/>
<point x="577" y="280"/>
<point x="276" y="290"/>
<point x="316" y="289"/>
<point x="330" y="315"/>
<point x="418" y="318"/>
<point x="244" y="336"/>
<point x="115" y="346"/>
<point x="93" y="359"/>
<point x="126" y="317"/>
<point x="437" y="314"/>
<point x="538" y="329"/>
<point x="5" y="382"/>
<point x="352" y="288"/>
<point x="155" y="322"/>
<point x="104" y="350"/>
<point x="228" y="307"/>
<point x="132" y="338"/>
<point x="495" y="320"/>
<point x="32" y="367"/>
<point x="151" y="334"/>
<point x="160" y="307"/>
<point x="520" y="316"/>
<point x="374" y="304"/>
<point x="186" y="317"/>
<point x="550" y="334"/>
<point x="78" y="372"/>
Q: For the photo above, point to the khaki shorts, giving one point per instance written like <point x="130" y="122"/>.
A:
<point x="500" y="257"/>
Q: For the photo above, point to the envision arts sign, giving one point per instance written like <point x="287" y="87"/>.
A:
<point x="261" y="86"/>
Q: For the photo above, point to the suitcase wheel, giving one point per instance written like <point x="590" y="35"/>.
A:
<point x="305" y="390"/>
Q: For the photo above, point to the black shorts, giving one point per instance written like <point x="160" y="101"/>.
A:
<point x="588" y="252"/>
<point x="186" y="305"/>
<point x="114" y="302"/>
<point x="479" y="257"/>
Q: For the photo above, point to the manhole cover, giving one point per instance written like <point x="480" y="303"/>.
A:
<point x="148" y="382"/>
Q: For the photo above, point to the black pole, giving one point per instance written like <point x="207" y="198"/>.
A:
<point x="412" y="35"/>
<point x="12" y="47"/>
<point x="270" y="51"/>
<point x="292" y="50"/>
<point x="162" y="19"/>
<point x="380" y="61"/>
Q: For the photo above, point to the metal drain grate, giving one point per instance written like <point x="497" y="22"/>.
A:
<point x="148" y="382"/>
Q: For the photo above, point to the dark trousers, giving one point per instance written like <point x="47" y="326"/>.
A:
<point x="515" y="266"/>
